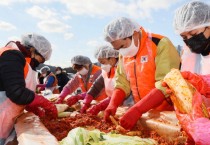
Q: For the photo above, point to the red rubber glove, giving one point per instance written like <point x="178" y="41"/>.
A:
<point x="74" y="99"/>
<point x="200" y="82"/>
<point x="36" y="110"/>
<point x="88" y="99"/>
<point x="62" y="96"/>
<point x="151" y="100"/>
<point x="117" y="99"/>
<point x="40" y="105"/>
<point x="41" y="86"/>
<point x="99" y="107"/>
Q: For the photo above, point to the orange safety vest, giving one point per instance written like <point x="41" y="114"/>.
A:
<point x="28" y="60"/>
<point x="9" y="111"/>
<point x="55" y="83"/>
<point x="85" y="86"/>
<point x="140" y="70"/>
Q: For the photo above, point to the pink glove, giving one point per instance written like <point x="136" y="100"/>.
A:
<point x="39" y="103"/>
<point x="62" y="96"/>
<point x="74" y="99"/>
<point x="117" y="99"/>
<point x="200" y="82"/>
<point x="99" y="107"/>
<point x="151" y="100"/>
<point x="88" y="99"/>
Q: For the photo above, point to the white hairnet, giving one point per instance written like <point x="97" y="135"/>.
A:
<point x="120" y="28"/>
<point x="40" y="43"/>
<point x="106" y="51"/>
<point x="193" y="15"/>
<point x="44" y="69"/>
<point x="80" y="60"/>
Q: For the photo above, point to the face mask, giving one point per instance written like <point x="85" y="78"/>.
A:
<point x="58" y="72"/>
<point x="83" y="71"/>
<point x="130" y="51"/>
<point x="106" y="67"/>
<point x="199" y="44"/>
<point x="34" y="63"/>
<point x="44" y="75"/>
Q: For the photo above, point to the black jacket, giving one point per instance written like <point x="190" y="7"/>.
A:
<point x="12" y="80"/>
<point x="62" y="80"/>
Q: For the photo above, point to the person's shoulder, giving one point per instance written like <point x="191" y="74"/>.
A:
<point x="12" y="55"/>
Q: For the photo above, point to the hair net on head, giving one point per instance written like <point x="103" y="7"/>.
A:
<point x="106" y="51"/>
<point x="44" y="69"/>
<point x="120" y="28"/>
<point x="40" y="43"/>
<point x="80" y="60"/>
<point x="193" y="15"/>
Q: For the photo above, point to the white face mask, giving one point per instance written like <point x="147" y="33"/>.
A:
<point x="106" y="67"/>
<point x="58" y="72"/>
<point x="83" y="71"/>
<point x="130" y="51"/>
<point x="44" y="75"/>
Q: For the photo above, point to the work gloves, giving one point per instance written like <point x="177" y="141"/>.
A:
<point x="40" y="87"/>
<point x="200" y="82"/>
<point x="62" y="96"/>
<point x="74" y="99"/>
<point x="117" y="99"/>
<point x="94" y="110"/>
<point x="42" y="107"/>
<point x="151" y="100"/>
<point x="88" y="99"/>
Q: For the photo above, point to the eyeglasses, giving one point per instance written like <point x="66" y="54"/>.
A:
<point x="77" y="67"/>
<point x="37" y="53"/>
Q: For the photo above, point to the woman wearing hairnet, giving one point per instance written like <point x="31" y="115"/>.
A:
<point x="144" y="61"/>
<point x="50" y="81"/>
<point x="192" y="22"/>
<point x="18" y="61"/>
<point x="86" y="74"/>
<point x="108" y="57"/>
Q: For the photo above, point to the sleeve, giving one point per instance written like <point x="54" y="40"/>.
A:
<point x="167" y="58"/>
<point x="73" y="84"/>
<point x="50" y="81"/>
<point x="12" y="77"/>
<point x="97" y="86"/>
<point x="121" y="81"/>
<point x="96" y="75"/>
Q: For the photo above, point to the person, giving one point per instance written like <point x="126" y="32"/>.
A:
<point x="50" y="81"/>
<point x="18" y="61"/>
<point x="108" y="58"/>
<point x="62" y="78"/>
<point x="145" y="59"/>
<point x="192" y="22"/>
<point x="86" y="74"/>
<point x="40" y="78"/>
<point x="194" y="29"/>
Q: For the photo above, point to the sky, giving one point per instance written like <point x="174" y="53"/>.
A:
<point x="75" y="27"/>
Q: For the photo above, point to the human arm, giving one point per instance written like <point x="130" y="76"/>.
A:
<point x="166" y="58"/>
<point x="93" y="92"/>
<point x="151" y="100"/>
<point x="50" y="81"/>
<point x="121" y="81"/>
<point x="97" y="86"/>
<point x="200" y="82"/>
<point x="12" y="64"/>
<point x="42" y="107"/>
<point x="69" y="88"/>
